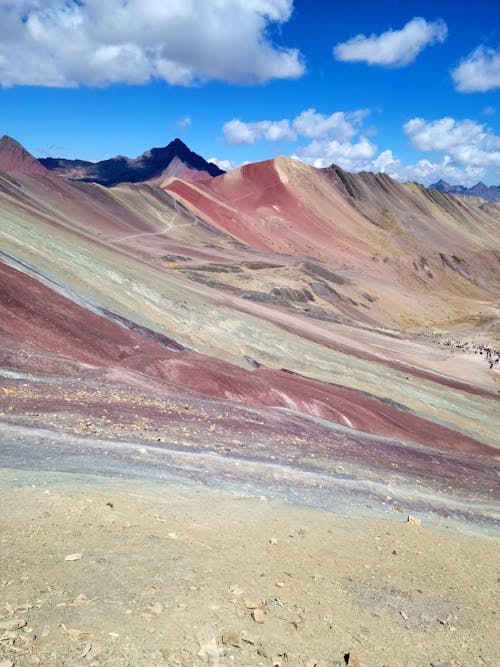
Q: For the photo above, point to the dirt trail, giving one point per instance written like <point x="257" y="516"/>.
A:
<point x="164" y="574"/>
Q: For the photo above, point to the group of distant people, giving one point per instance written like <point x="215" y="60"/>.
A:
<point x="491" y="355"/>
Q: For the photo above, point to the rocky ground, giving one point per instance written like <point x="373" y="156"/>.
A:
<point x="111" y="571"/>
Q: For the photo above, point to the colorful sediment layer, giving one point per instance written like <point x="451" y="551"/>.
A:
<point x="308" y="317"/>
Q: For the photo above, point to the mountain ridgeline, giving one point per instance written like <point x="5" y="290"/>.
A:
<point x="151" y="165"/>
<point x="488" y="192"/>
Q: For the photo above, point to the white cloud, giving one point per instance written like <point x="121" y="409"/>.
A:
<point x="465" y="151"/>
<point x="226" y="165"/>
<point x="99" y="42"/>
<point x="468" y="150"/>
<point x="342" y="125"/>
<point x="350" y="156"/>
<point x="360" y="156"/>
<point x="239" y="133"/>
<point x="427" y="171"/>
<point x="479" y="71"/>
<point x="184" y="122"/>
<point x="393" y="48"/>
<point x="331" y="136"/>
<point x="465" y="141"/>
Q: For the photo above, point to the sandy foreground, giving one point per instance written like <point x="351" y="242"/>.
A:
<point x="104" y="571"/>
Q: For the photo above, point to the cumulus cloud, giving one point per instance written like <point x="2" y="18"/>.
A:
<point x="479" y="71"/>
<point x="226" y="165"/>
<point x="333" y="136"/>
<point x="69" y="43"/>
<point x="238" y="133"/>
<point x="393" y="48"/>
<point x="465" y="141"/>
<point x="343" y="125"/>
<point x="351" y="156"/>
<point x="340" y="125"/>
<point x="463" y="151"/>
<point x="427" y="171"/>
<point x="362" y="156"/>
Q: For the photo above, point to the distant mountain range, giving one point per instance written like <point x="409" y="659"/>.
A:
<point x="176" y="159"/>
<point x="488" y="192"/>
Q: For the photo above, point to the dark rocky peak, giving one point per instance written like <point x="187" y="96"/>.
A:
<point x="121" y="169"/>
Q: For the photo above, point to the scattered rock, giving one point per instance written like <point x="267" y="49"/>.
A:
<point x="210" y="650"/>
<point x="414" y="520"/>
<point x="403" y="615"/>
<point x="87" y="649"/>
<point x="74" y="634"/>
<point x="156" y="609"/>
<point x="259" y="614"/>
<point x="231" y="638"/>
<point x="73" y="557"/>
<point x="299" y="622"/>
<point x="273" y="540"/>
<point x="250" y="604"/>
<point x="444" y="621"/>
<point x="12" y="624"/>
<point x="440" y="663"/>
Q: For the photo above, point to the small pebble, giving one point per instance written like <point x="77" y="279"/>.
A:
<point x="414" y="520"/>
<point x="231" y="638"/>
<point x="259" y="614"/>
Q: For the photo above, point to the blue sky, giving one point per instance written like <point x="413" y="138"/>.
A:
<point x="410" y="88"/>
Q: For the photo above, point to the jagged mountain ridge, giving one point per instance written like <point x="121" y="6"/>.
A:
<point x="376" y="232"/>
<point x="151" y="165"/>
<point x="488" y="192"/>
